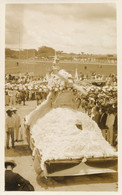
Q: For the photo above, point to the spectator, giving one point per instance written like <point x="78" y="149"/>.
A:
<point x="96" y="116"/>
<point x="7" y="99"/>
<point x="10" y="128"/>
<point x="23" y="95"/>
<point x="14" y="181"/>
<point x="17" y="122"/>
<point x="11" y="95"/>
<point x="18" y="98"/>
<point x="82" y="105"/>
<point x="109" y="123"/>
<point x="102" y="124"/>
<point x="115" y="128"/>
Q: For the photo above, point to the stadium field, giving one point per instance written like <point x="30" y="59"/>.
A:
<point x="40" y="68"/>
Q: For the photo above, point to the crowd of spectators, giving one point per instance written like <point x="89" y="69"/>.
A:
<point x="100" y="103"/>
<point x="105" y="115"/>
<point x="19" y="89"/>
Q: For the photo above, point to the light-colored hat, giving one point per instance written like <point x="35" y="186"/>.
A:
<point x="13" y="109"/>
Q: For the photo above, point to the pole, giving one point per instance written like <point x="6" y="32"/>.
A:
<point x="19" y="51"/>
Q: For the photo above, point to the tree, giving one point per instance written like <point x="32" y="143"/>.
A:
<point x="45" y="51"/>
<point x="11" y="53"/>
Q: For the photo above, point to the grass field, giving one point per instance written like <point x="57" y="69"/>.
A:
<point x="40" y="68"/>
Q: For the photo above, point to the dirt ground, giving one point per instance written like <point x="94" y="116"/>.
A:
<point x="22" y="156"/>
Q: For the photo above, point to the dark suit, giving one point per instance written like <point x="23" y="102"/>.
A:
<point x="13" y="181"/>
<point x="102" y="123"/>
<point x="96" y="118"/>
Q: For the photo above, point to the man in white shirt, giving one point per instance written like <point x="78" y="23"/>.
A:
<point x="10" y="128"/>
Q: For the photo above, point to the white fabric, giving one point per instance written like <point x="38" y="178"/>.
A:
<point x="57" y="137"/>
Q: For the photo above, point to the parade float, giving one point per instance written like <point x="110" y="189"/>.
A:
<point x="65" y="141"/>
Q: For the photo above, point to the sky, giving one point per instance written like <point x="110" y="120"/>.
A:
<point x="83" y="27"/>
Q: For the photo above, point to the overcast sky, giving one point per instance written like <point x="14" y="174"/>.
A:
<point x="89" y="28"/>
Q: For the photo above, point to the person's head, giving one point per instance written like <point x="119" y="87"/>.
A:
<point x="9" y="113"/>
<point x="103" y="109"/>
<point x="10" y="164"/>
<point x="74" y="91"/>
<point x="110" y="110"/>
<point x="6" y="92"/>
<point x="115" y="110"/>
<point x="14" y="110"/>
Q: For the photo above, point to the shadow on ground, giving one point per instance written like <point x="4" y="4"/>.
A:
<point x="77" y="180"/>
<point x="20" y="150"/>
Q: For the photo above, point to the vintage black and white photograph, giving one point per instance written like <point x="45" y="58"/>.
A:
<point x="61" y="108"/>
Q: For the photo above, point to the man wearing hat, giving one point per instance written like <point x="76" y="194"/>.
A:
<point x="10" y="127"/>
<point x="17" y="122"/>
<point x="14" y="181"/>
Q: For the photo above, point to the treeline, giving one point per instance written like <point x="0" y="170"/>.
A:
<point x="43" y="51"/>
<point x="49" y="53"/>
